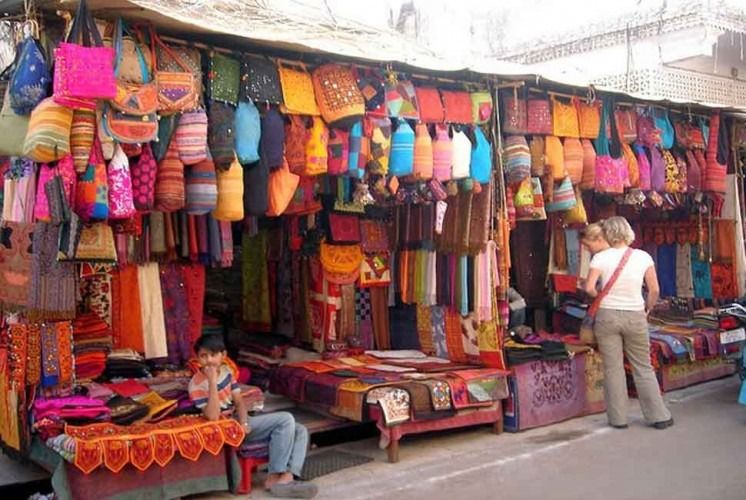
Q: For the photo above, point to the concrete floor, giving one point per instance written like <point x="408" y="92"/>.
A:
<point x="701" y="457"/>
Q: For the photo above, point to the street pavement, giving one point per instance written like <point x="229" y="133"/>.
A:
<point x="703" y="456"/>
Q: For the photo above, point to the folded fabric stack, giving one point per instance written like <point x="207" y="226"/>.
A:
<point x="50" y="415"/>
<point x="126" y="411"/>
<point x="91" y="345"/>
<point x="271" y="346"/>
<point x="64" y="445"/>
<point x="518" y="352"/>
<point x="706" y="318"/>
<point x="260" y="366"/>
<point x="126" y="363"/>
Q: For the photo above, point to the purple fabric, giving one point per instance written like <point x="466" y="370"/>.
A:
<point x="271" y="144"/>
<point x="176" y="313"/>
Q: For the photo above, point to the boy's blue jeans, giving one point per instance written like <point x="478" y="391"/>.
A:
<point x="288" y="440"/>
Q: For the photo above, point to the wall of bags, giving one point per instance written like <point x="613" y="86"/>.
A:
<point x="570" y="160"/>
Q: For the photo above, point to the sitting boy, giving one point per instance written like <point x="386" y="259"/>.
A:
<point x="216" y="393"/>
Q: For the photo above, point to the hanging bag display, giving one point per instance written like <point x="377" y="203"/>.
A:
<point x="588" y="181"/>
<point x="442" y="153"/>
<point x="359" y="150"/>
<point x="572" y="151"/>
<point x="296" y="136"/>
<point x="688" y="135"/>
<point x="248" y="132"/>
<point x="338" y="152"/>
<point x="143" y="172"/>
<point x="481" y="158"/>
<point x="563" y="197"/>
<point x="136" y="99"/>
<point x="272" y="140"/>
<point x="626" y="124"/>
<point x="178" y="91"/>
<point x="256" y="183"/>
<point x="92" y="188"/>
<point x="538" y="116"/>
<point x="29" y="83"/>
<point x="429" y="104"/>
<point x="317" y="155"/>
<point x="260" y="81"/>
<point x="401" y="161"/>
<point x="555" y="157"/>
<point x="221" y="134"/>
<point x="457" y="106"/>
<point x="589" y="118"/>
<point x="119" y="181"/>
<point x="339" y="100"/>
<point x="166" y="131"/>
<point x="297" y="90"/>
<point x="423" y="153"/>
<point x="716" y="157"/>
<point x="657" y="170"/>
<point x="82" y="134"/>
<point x="379" y="132"/>
<point x="371" y="86"/>
<point x="48" y="135"/>
<point x="577" y="214"/>
<point x="223" y="80"/>
<point x="401" y="98"/>
<point x="201" y="187"/>
<point x="663" y="123"/>
<point x="169" y="182"/>
<point x="281" y="189"/>
<point x="586" y="334"/>
<point x="13" y="129"/>
<point x="481" y="107"/>
<point x="648" y="134"/>
<point x="643" y="166"/>
<point x="632" y="166"/>
<point x="83" y="67"/>
<point x="693" y="173"/>
<point x="538" y="160"/>
<point x="564" y="119"/>
<point x="514" y="112"/>
<point x="126" y="128"/>
<point x="609" y="178"/>
<point x="190" y="137"/>
<point x="461" y="154"/>
<point x="230" y="204"/>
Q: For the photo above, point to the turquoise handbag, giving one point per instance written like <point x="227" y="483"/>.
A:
<point x="481" y="158"/>
<point x="248" y="130"/>
<point x="401" y="160"/>
<point x="663" y="123"/>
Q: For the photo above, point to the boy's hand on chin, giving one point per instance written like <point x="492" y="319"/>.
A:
<point x="212" y="373"/>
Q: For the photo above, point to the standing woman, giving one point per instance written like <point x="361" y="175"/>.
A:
<point x="621" y="325"/>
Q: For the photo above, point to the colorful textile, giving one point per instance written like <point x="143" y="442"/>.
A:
<point x="684" y="280"/>
<point x="176" y="313"/>
<point x="454" y="342"/>
<point x="96" y="291"/>
<point x="701" y="276"/>
<point x="52" y="291"/>
<point x="256" y="295"/>
<point x="127" y="324"/>
<point x="15" y="264"/>
<point x="194" y="277"/>
<point x="151" y="301"/>
<point x="666" y="267"/>
<point x="380" y="315"/>
<point x="438" y="318"/>
<point x="142" y="444"/>
<point x="57" y="354"/>
<point x="324" y="305"/>
<point x="363" y="318"/>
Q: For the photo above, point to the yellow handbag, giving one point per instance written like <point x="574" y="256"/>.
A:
<point x="537" y="156"/>
<point x="554" y="157"/>
<point x="48" y="135"/>
<point x="229" y="206"/>
<point x="317" y="156"/>
<point x="634" y="169"/>
<point x="564" y="119"/>
<point x="577" y="214"/>
<point x="297" y="90"/>
<point x="589" y="165"/>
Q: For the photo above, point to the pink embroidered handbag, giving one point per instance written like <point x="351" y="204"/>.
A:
<point x="121" y="201"/>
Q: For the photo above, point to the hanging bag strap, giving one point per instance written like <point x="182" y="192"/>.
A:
<point x="156" y="40"/>
<point x="593" y="309"/>
<point x="84" y="26"/>
<point x="119" y="30"/>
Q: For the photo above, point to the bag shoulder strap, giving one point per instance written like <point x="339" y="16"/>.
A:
<point x="607" y="287"/>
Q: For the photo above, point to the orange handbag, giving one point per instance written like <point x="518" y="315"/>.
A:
<point x="589" y="118"/>
<point x="564" y="119"/>
<point x="337" y="95"/>
<point x="555" y="157"/>
<point x="282" y="186"/>
<point x="573" y="156"/>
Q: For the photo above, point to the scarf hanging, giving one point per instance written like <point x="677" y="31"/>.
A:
<point x="256" y="300"/>
<point x="438" y="321"/>
<point x="183" y="221"/>
<point x="573" y="249"/>
<point x="170" y="236"/>
<point x="463" y="285"/>
<point x="33" y="354"/>
<point x="454" y="342"/>
<point x="11" y="403"/>
<point x="57" y="354"/>
<point x="96" y="292"/>
<point x="364" y="319"/>
<point x="347" y="312"/>
<point x="302" y="298"/>
<point x="479" y="220"/>
<point x="324" y="304"/>
<point x="194" y="283"/>
<point x="176" y="313"/>
<point x="701" y="276"/>
<point x="15" y="264"/>
<point x="431" y="288"/>
<point x="380" y="312"/>
<point x="127" y="321"/>
<point x="193" y="238"/>
<point x="216" y="240"/>
<point x="203" y="240"/>
<point x="158" y="248"/>
<point x="151" y="300"/>
<point x="226" y="235"/>
<point x="425" y="329"/>
<point x="285" y="299"/>
<point x="684" y="280"/>
<point x="52" y="292"/>
<point x="464" y="221"/>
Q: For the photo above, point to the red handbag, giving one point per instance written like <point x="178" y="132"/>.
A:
<point x="457" y="106"/>
<point x="344" y="228"/>
<point x="143" y="173"/>
<point x="626" y="124"/>
<point x="538" y="116"/>
<point x="430" y="105"/>
<point x="514" y="113"/>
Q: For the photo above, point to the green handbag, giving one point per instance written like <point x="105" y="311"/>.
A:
<point x="13" y="129"/>
<point x="224" y="79"/>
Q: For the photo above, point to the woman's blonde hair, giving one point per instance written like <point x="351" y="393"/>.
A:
<point x="617" y="230"/>
<point x="592" y="232"/>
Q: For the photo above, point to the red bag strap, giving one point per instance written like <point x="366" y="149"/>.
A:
<point x="156" y="40"/>
<point x="593" y="309"/>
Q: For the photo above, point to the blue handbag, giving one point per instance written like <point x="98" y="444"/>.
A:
<point x="401" y="159"/>
<point x="663" y="123"/>
<point x="31" y="78"/>
<point x="481" y="158"/>
<point x="248" y="130"/>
